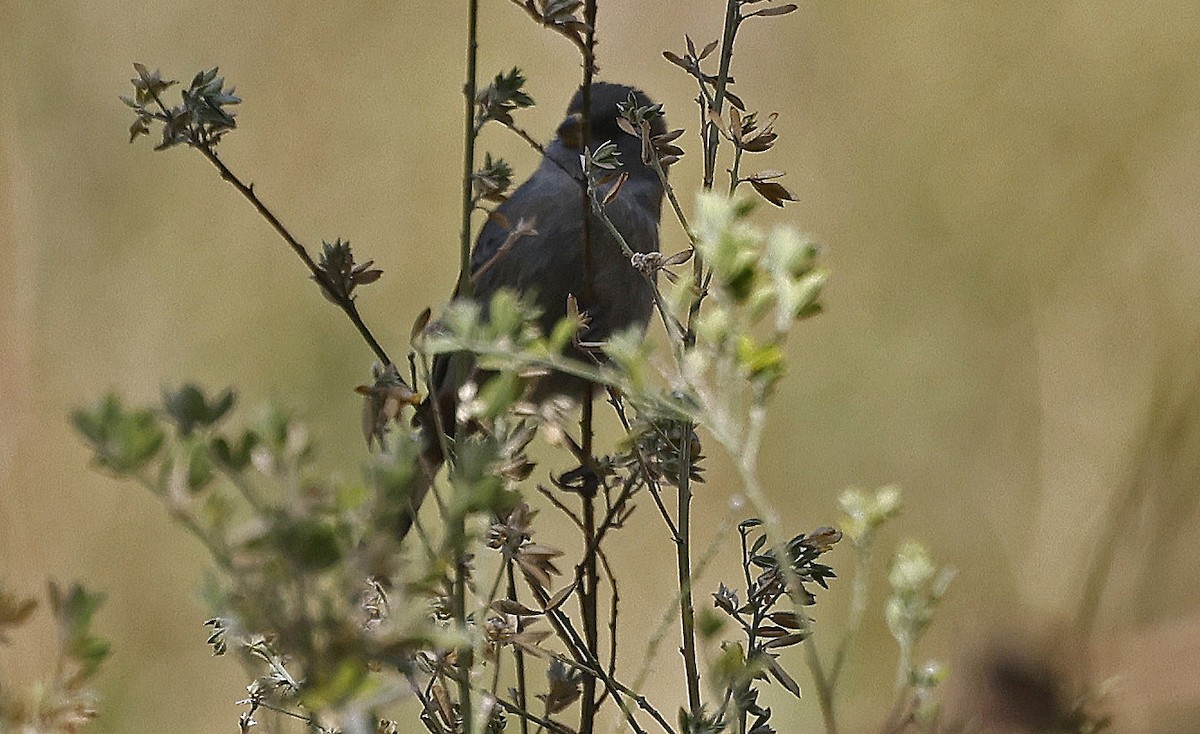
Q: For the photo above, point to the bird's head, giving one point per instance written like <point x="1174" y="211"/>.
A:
<point x="603" y="120"/>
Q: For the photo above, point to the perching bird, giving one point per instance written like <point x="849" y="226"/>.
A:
<point x="548" y="267"/>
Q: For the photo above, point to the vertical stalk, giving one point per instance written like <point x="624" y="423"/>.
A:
<point x="732" y="19"/>
<point x="457" y="527"/>
<point x="585" y="130"/>
<point x="687" y="612"/>
<point x="591" y="576"/>
<point x="518" y="654"/>
<point x="469" y="135"/>
<point x="823" y="686"/>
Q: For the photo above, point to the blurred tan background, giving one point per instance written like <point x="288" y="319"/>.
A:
<point x="1006" y="192"/>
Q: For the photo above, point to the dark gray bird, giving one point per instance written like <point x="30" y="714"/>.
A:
<point x="549" y="266"/>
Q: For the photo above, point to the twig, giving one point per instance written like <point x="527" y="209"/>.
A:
<point x="669" y="322"/>
<point x="821" y="682"/>
<point x="465" y="286"/>
<point x="683" y="559"/>
<point x="518" y="653"/>
<point x="591" y="577"/>
<point x="860" y="591"/>
<point x="457" y="529"/>
<point x="345" y="303"/>
<point x="732" y="20"/>
<point x="670" y="191"/>
<point x="526" y="717"/>
<point x="531" y="10"/>
<point x="614" y="399"/>
<point x="584" y="662"/>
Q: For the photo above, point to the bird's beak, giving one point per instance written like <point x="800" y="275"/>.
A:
<point x="570" y="132"/>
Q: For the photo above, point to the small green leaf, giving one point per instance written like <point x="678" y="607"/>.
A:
<point x="190" y="409"/>
<point x="123" y="441"/>
<point x="761" y="361"/>
<point x="73" y="610"/>
<point x="313" y="545"/>
<point x="336" y="686"/>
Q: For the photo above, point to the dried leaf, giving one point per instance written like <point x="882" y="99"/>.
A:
<point x="674" y="58"/>
<point x="760" y="143"/>
<point x="775" y="10"/>
<point x="668" y="137"/>
<point x="616" y="188"/>
<point x="786" y="619"/>
<point x="778" y="673"/>
<point x="678" y="258"/>
<point x="530" y="640"/>
<point x="420" y="323"/>
<point x="444" y="704"/>
<point x="557" y="600"/>
<point x="771" y="631"/>
<point x="766" y="175"/>
<point x="515" y="608"/>
<point x="714" y="118"/>
<point x="499" y="219"/>
<point x="712" y="46"/>
<point x="776" y="193"/>
<point x="786" y="641"/>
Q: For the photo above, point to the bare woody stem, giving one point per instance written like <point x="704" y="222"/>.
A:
<point x="589" y="600"/>
<point x="687" y="614"/>
<point x="457" y="529"/>
<point x="346" y="303"/>
<point x="469" y="135"/>
<point x="732" y="20"/>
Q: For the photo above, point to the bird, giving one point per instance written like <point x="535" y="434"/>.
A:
<point x="547" y="267"/>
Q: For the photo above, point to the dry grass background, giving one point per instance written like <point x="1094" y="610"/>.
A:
<point x="1007" y="192"/>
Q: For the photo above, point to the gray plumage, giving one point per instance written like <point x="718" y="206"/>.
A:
<point x="548" y="267"/>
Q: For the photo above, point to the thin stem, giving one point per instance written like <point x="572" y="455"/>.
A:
<point x="585" y="131"/>
<point x="585" y="663"/>
<point x="518" y="653"/>
<point x="457" y="525"/>
<point x="614" y="399"/>
<point x="670" y="191"/>
<point x="346" y="303"/>
<point x="541" y="150"/>
<point x="470" y="132"/>
<point x="687" y="615"/>
<point x="588" y="600"/>
<point x="459" y="601"/>
<point x="732" y="20"/>
<point x="822" y="684"/>
<point x="215" y="549"/>
<point x="521" y="712"/>
<point x="735" y="171"/>
<point x="591" y="578"/>
<point x="616" y="687"/>
<point x="859" y="595"/>
<point x="669" y="322"/>
<point x="745" y="445"/>
<point x="660" y="631"/>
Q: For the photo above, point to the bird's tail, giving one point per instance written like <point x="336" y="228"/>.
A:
<point x="435" y="421"/>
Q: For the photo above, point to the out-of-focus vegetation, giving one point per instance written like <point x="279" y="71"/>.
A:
<point x="1006" y="195"/>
